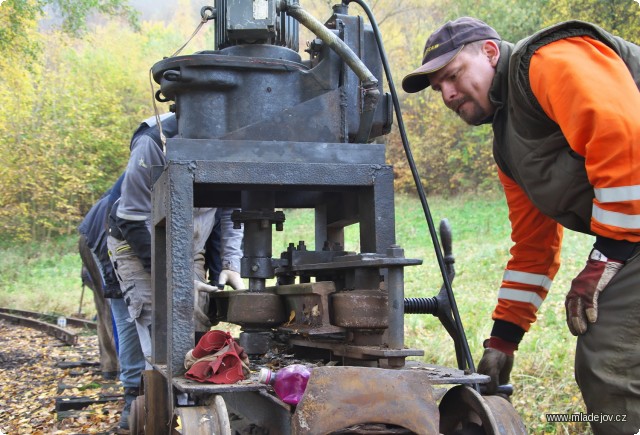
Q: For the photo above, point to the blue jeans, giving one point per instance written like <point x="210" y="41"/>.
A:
<point x="132" y="361"/>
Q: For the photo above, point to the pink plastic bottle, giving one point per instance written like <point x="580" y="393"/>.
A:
<point x="289" y="383"/>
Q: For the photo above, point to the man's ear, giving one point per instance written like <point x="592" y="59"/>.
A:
<point x="492" y="51"/>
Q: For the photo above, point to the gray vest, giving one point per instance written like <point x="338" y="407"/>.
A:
<point x="528" y="146"/>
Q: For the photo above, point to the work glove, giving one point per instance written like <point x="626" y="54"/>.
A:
<point x="200" y="286"/>
<point x="497" y="362"/>
<point x="581" y="303"/>
<point x="232" y="278"/>
<point x="201" y="292"/>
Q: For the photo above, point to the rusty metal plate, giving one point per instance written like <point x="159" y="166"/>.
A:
<point x="337" y="398"/>
<point x="357" y="352"/>
<point x="446" y="375"/>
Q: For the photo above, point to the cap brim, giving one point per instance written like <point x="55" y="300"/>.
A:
<point x="418" y="80"/>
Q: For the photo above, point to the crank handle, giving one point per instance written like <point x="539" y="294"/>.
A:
<point x="506" y="389"/>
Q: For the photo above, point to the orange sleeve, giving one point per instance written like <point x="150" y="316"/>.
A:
<point x="534" y="262"/>
<point x="586" y="88"/>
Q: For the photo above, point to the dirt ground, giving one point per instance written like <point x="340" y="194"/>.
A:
<point x="42" y="380"/>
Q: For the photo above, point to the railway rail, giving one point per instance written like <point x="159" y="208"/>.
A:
<point x="48" y="323"/>
<point x="51" y="379"/>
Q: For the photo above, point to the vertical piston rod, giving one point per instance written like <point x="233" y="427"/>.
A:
<point x="257" y="216"/>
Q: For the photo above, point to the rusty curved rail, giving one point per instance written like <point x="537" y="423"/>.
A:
<point x="47" y="323"/>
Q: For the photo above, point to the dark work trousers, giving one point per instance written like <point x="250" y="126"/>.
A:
<point x="608" y="356"/>
<point x="93" y="280"/>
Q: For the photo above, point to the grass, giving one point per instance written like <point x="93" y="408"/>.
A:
<point x="543" y="374"/>
<point x="46" y="277"/>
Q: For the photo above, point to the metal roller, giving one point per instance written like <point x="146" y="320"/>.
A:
<point x="463" y="411"/>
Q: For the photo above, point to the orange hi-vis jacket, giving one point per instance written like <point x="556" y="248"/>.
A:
<point x="585" y="88"/>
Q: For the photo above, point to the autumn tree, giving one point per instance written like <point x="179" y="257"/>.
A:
<point x="620" y="17"/>
<point x="72" y="95"/>
<point x="69" y="112"/>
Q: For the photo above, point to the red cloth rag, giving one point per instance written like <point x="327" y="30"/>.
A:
<point x="227" y="365"/>
<point x="211" y="342"/>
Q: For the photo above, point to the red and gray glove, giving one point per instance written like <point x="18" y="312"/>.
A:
<point x="497" y="362"/>
<point x="581" y="303"/>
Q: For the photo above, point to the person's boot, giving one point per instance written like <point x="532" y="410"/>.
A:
<point x="130" y="395"/>
<point x="110" y="376"/>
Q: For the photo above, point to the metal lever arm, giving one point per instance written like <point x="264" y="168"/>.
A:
<point x="440" y="305"/>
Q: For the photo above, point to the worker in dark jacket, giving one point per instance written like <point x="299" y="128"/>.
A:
<point x="95" y="266"/>
<point x="563" y="104"/>
<point x="130" y="357"/>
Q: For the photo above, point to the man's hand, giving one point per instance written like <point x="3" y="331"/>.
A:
<point x="201" y="292"/>
<point x="200" y="286"/>
<point x="497" y="362"/>
<point x="232" y="278"/>
<point x="581" y="303"/>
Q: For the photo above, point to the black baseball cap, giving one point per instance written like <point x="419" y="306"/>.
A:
<point x="444" y="45"/>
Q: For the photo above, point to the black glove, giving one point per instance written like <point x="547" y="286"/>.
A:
<point x="497" y="362"/>
<point x="139" y="238"/>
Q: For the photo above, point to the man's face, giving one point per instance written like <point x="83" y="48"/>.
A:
<point x="464" y="83"/>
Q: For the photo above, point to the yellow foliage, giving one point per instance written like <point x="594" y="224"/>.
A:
<point x="69" y="117"/>
<point x="70" y="104"/>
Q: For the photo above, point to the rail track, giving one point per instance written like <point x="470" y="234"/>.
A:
<point x="49" y="323"/>
<point x="51" y="378"/>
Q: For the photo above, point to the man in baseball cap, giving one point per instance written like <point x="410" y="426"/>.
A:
<point x="443" y="46"/>
<point x="566" y="148"/>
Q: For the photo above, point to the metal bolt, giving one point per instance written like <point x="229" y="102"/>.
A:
<point x="395" y="251"/>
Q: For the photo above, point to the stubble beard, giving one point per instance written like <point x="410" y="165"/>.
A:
<point x="474" y="116"/>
